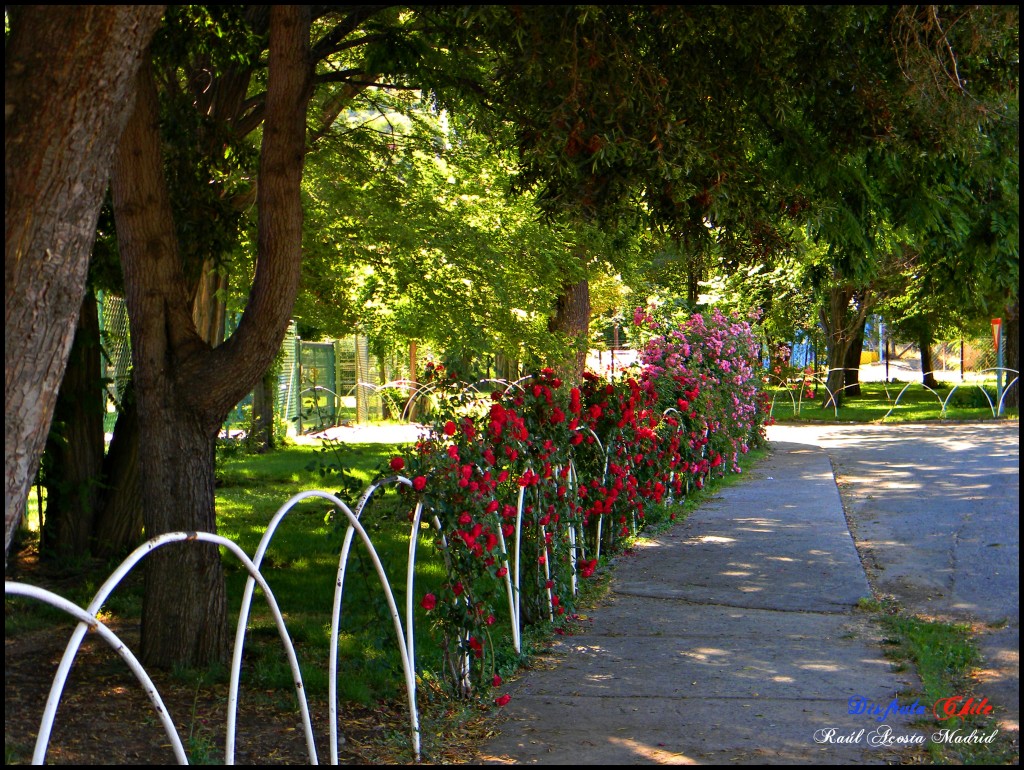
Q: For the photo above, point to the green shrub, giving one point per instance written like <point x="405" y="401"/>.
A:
<point x="973" y="397"/>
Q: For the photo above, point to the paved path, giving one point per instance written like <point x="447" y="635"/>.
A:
<point x="731" y="639"/>
<point x="934" y="509"/>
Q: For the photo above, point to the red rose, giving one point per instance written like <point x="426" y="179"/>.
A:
<point x="496" y="682"/>
<point x="429" y="602"/>
<point x="503" y="699"/>
<point x="419" y="483"/>
<point x="450" y="428"/>
<point x="397" y="463"/>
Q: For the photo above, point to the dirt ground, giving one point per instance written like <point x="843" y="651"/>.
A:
<point x="105" y="717"/>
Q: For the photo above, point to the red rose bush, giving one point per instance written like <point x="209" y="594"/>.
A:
<point x="526" y="488"/>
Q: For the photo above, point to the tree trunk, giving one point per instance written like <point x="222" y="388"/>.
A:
<point x="184" y="609"/>
<point x="382" y="378"/>
<point x="209" y="307"/>
<point x="413" y="405"/>
<point x="851" y="363"/>
<point x="58" y="148"/>
<point x="835" y="381"/>
<point x="184" y="618"/>
<point x="572" y="320"/>
<point x="924" y="341"/>
<point x="118" y="526"/>
<point x="262" y="437"/>
<point x="185" y="388"/>
<point x="506" y="368"/>
<point x="841" y="319"/>
<point x="75" y="446"/>
<point x="1011" y="358"/>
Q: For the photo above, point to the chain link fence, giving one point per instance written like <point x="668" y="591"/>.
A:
<point x="117" y="354"/>
<point x="951" y="361"/>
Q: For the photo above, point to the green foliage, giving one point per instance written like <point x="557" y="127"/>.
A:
<point x="333" y="461"/>
<point x="974" y="397"/>
<point x="433" y="129"/>
<point x="434" y="247"/>
<point x="209" y="164"/>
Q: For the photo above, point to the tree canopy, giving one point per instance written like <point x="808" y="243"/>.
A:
<point x="469" y="170"/>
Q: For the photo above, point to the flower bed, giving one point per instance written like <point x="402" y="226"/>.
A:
<point x="527" y="488"/>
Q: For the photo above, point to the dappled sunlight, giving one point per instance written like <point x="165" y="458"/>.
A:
<point x="882" y="663"/>
<point x="644" y="543"/>
<point x="706" y="652"/>
<point x="828" y="667"/>
<point x="652" y="753"/>
<point x="888" y="543"/>
<point x="891" y="484"/>
<point x="712" y="539"/>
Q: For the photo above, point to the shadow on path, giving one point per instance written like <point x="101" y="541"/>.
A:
<point x="731" y="639"/>
<point x="934" y="509"/>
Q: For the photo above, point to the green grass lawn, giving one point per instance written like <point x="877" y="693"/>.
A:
<point x="891" y="402"/>
<point x="302" y="562"/>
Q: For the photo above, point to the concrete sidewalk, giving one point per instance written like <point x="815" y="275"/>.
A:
<point x="934" y="509"/>
<point x="731" y="639"/>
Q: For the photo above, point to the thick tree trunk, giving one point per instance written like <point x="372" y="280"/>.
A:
<point x="262" y="437"/>
<point x="75" y="446"/>
<point x="185" y="388"/>
<point x="851" y="363"/>
<point x="184" y="610"/>
<point x="118" y="526"/>
<point x="841" y="319"/>
<point x="572" y="320"/>
<point x="835" y="381"/>
<point x="924" y="342"/>
<point x="184" y="617"/>
<point x="58" y="148"/>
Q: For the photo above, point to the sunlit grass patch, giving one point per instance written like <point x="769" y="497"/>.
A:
<point x="893" y="402"/>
